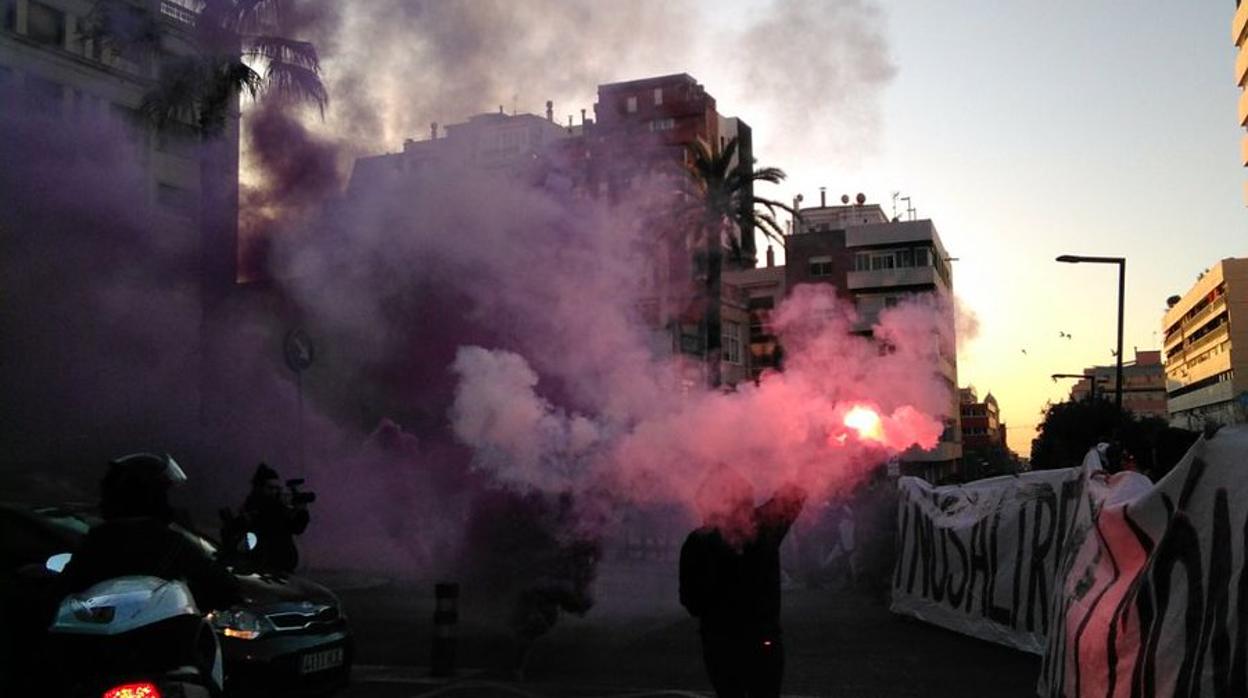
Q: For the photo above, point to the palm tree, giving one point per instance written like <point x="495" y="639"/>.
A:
<point x="723" y="210"/>
<point x="227" y="38"/>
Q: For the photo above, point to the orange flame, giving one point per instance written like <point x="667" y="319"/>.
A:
<point x="866" y="422"/>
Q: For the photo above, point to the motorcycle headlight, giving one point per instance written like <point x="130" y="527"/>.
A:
<point x="239" y="623"/>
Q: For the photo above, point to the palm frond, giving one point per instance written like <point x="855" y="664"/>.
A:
<point x="772" y="205"/>
<point x="282" y="50"/>
<point x="178" y="91"/>
<point x="767" y="223"/>
<point x="295" y="82"/>
<point x="237" y="76"/>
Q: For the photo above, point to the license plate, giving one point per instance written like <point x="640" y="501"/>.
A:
<point x="320" y="661"/>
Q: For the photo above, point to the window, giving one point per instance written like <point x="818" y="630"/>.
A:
<point x="862" y="261"/>
<point x="663" y="124"/>
<point x="631" y="105"/>
<point x="730" y="339"/>
<point x="8" y="15"/>
<point x="658" y="96"/>
<point x="882" y="261"/>
<point x="905" y="258"/>
<point x="922" y="257"/>
<point x="45" y="25"/>
<point x="821" y="266"/>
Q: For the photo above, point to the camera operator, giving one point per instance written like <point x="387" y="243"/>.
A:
<point x="276" y="515"/>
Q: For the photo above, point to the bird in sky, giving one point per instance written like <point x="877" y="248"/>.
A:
<point x="1024" y="351"/>
<point x="1064" y="335"/>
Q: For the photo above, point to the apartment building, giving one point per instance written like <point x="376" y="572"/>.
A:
<point x="981" y="420"/>
<point x="1239" y="37"/>
<point x="64" y="76"/>
<point x="1143" y="384"/>
<point x="1206" y="348"/>
<point x="875" y="263"/>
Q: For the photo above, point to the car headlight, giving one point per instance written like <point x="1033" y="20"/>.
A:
<point x="239" y="623"/>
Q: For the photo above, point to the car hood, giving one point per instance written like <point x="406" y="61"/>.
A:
<point x="263" y="591"/>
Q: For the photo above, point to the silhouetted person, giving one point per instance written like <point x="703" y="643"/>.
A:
<point x="139" y="536"/>
<point x="269" y="514"/>
<point x="730" y="581"/>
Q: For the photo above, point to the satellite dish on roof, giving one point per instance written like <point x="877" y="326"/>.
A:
<point x="844" y="198"/>
<point x="1172" y="301"/>
<point x="861" y="199"/>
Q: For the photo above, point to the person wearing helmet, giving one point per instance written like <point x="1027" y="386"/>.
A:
<point x="139" y="535"/>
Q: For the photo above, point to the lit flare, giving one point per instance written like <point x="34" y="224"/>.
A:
<point x="866" y="422"/>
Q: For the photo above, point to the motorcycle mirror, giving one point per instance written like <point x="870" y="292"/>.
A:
<point x="57" y="562"/>
<point x="251" y="540"/>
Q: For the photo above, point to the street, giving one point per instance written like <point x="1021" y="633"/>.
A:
<point x="638" y="641"/>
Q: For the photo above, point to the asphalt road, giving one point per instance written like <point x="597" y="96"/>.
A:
<point x="638" y="642"/>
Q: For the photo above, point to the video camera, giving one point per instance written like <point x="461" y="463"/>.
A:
<point x="297" y="496"/>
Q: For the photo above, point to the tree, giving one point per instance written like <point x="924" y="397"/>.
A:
<point x="225" y="38"/>
<point x="1069" y="429"/>
<point x="722" y="206"/>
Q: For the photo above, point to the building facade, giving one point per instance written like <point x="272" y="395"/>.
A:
<point x="1239" y="37"/>
<point x="635" y="153"/>
<point x="64" y="75"/>
<point x="1206" y="348"/>
<point x="1143" y="384"/>
<point x="982" y="427"/>
<point x="875" y="263"/>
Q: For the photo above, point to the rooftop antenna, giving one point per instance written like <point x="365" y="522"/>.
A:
<point x="895" y="195"/>
<point x="910" y="210"/>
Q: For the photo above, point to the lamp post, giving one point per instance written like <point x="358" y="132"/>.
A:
<point x="1076" y="376"/>
<point x="1092" y="380"/>
<point x="1122" y="274"/>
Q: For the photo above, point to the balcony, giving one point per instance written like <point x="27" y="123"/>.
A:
<point x="1209" y="339"/>
<point x="890" y="278"/>
<point x="1241" y="66"/>
<point x="1195" y="321"/>
<point x="181" y="11"/>
<point x="1243" y="108"/>
<point x="1239" y="24"/>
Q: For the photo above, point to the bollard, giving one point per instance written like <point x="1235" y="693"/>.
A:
<point x="445" y="618"/>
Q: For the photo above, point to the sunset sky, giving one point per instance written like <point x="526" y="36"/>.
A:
<point x="1029" y="130"/>
<point x="1023" y="130"/>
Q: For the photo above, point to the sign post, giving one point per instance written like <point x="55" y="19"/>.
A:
<point x="300" y="353"/>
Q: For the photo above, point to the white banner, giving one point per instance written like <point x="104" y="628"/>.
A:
<point x="1154" y="599"/>
<point x="979" y="558"/>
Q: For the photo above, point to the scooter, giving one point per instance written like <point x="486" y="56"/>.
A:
<point x="135" y="637"/>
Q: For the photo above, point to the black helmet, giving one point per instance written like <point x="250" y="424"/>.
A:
<point x="138" y="485"/>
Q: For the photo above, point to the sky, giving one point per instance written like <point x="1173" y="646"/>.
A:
<point x="1029" y="130"/>
<point x="1023" y="130"/>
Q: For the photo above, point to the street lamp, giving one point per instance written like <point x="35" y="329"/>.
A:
<point x="1122" y="274"/>
<point x="1080" y="376"/>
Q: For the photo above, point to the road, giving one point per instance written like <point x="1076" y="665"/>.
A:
<point x="639" y="642"/>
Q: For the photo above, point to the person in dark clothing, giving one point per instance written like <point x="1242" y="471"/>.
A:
<point x="730" y="581"/>
<point x="139" y="536"/>
<point x="269" y="514"/>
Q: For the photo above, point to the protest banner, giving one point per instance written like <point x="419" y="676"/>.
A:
<point x="980" y="558"/>
<point x="1153" y="598"/>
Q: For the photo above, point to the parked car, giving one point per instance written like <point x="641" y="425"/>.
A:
<point x="290" y="635"/>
